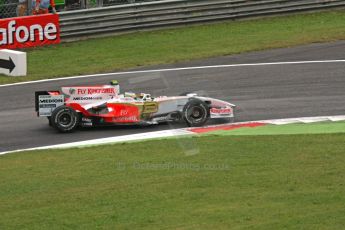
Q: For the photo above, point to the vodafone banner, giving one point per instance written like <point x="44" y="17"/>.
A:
<point x="30" y="31"/>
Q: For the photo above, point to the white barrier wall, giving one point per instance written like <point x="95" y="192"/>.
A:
<point x="13" y="63"/>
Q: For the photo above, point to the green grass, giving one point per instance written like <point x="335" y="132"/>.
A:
<point x="312" y="128"/>
<point x="243" y="182"/>
<point x="175" y="45"/>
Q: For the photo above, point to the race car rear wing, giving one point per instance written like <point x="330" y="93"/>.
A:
<point x="47" y="101"/>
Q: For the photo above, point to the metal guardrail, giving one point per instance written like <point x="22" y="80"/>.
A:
<point x="11" y="8"/>
<point x="162" y="14"/>
<point x="137" y="15"/>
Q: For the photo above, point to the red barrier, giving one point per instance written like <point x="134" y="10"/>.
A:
<point x="30" y="31"/>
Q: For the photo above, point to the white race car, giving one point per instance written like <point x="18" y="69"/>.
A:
<point x="104" y="105"/>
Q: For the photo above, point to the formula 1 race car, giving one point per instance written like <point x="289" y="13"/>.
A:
<point x="88" y="106"/>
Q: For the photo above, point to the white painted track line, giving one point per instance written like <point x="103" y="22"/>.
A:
<point x="111" y="140"/>
<point x="177" y="69"/>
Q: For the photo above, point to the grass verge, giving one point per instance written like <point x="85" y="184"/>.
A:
<point x="243" y="182"/>
<point x="175" y="45"/>
<point x="300" y="128"/>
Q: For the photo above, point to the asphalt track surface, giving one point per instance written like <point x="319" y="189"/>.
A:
<point x="261" y="92"/>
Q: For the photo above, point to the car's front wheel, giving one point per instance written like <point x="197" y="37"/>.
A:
<point x="65" y="119"/>
<point x="196" y="113"/>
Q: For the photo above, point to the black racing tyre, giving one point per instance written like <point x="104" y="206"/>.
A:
<point x="50" y="121"/>
<point x="65" y="119"/>
<point x="196" y="113"/>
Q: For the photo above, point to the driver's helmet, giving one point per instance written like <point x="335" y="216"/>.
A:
<point x="145" y="97"/>
<point x="115" y="84"/>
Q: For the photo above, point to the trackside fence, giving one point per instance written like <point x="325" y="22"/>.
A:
<point x="163" y="14"/>
<point x="80" y="19"/>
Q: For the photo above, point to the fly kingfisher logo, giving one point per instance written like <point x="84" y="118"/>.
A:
<point x="101" y="91"/>
<point x="30" y="31"/>
<point x="95" y="90"/>
<point x="72" y="91"/>
<point x="88" y="94"/>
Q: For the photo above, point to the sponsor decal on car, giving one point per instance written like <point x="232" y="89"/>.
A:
<point x="56" y="100"/>
<point x="91" y="91"/>
<point x="71" y="91"/>
<point x="125" y="119"/>
<point x="124" y="113"/>
<point x="86" y="121"/>
<point x="89" y="94"/>
<point x="47" y="104"/>
<point x="86" y="98"/>
<point x="97" y="91"/>
<point x="221" y="111"/>
<point x="150" y="107"/>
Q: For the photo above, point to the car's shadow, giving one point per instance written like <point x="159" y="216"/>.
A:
<point x="147" y="128"/>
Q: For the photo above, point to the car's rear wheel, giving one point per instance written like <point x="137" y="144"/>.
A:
<point x="196" y="113"/>
<point x="50" y="121"/>
<point x="65" y="119"/>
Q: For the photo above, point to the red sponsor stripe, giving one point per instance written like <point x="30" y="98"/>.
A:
<point x="226" y="127"/>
